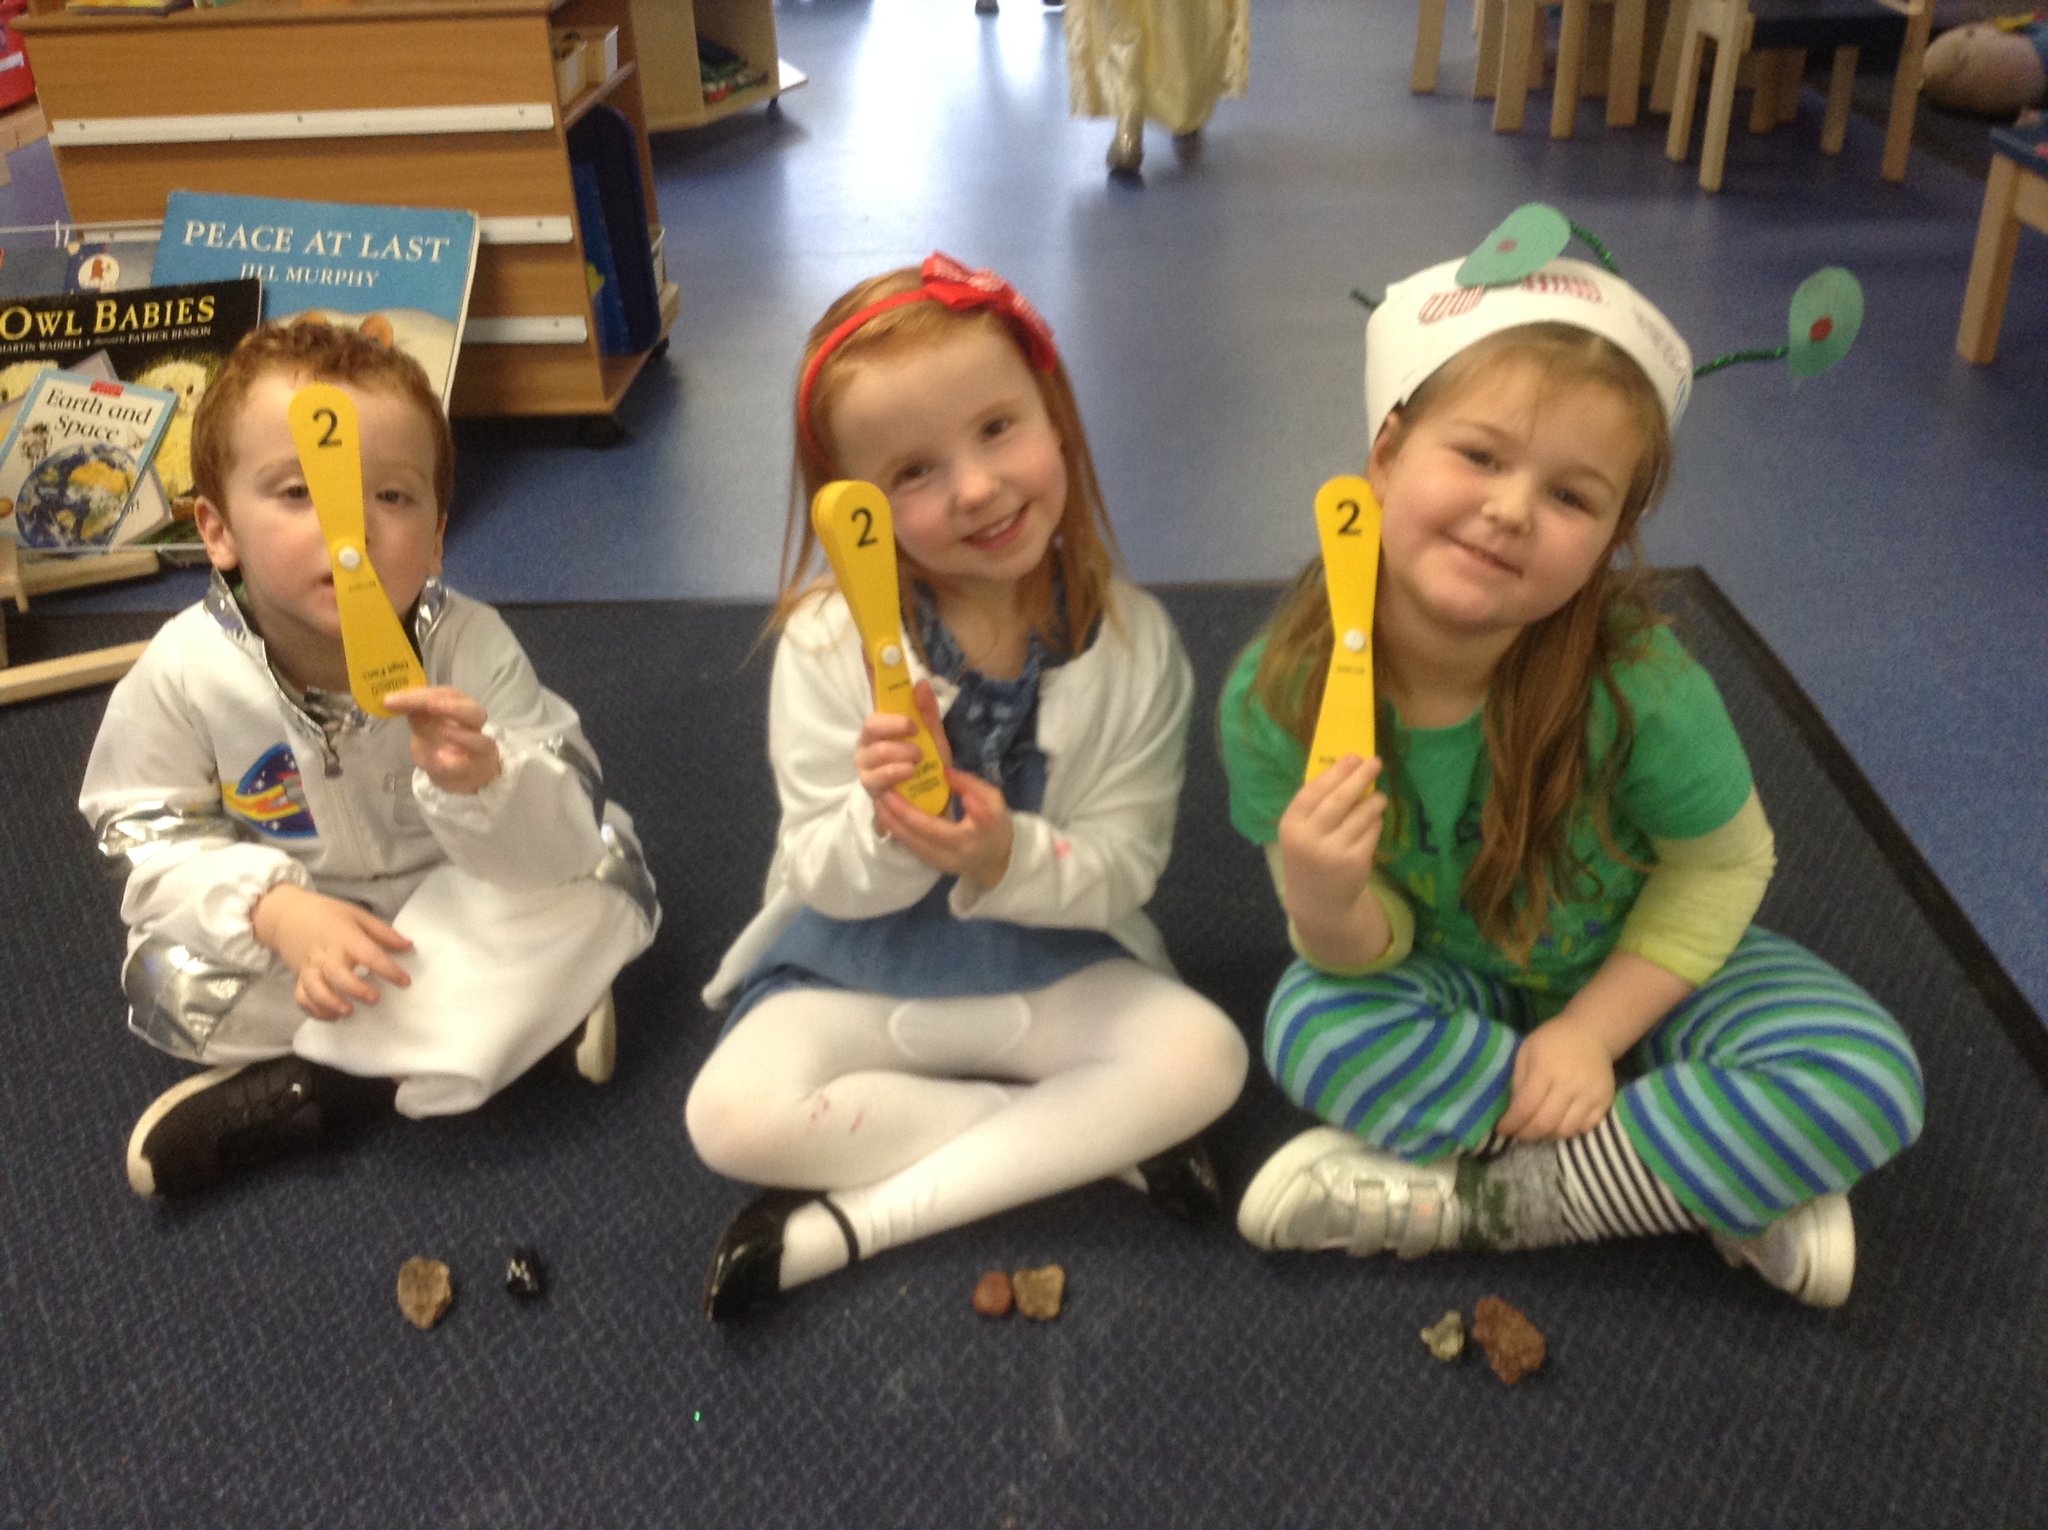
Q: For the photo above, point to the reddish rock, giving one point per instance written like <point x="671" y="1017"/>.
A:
<point x="1512" y="1343"/>
<point x="993" y="1296"/>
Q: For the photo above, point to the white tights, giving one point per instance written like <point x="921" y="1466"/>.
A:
<point x="921" y="1115"/>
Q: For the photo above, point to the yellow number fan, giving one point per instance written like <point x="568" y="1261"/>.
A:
<point x="855" y="526"/>
<point x="1348" y="521"/>
<point x="380" y="660"/>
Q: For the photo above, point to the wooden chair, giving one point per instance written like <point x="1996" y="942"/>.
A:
<point x="1738" y="28"/>
<point x="1510" y="57"/>
<point x="1510" y="62"/>
<point x="1486" y="23"/>
<point x="1624" y="64"/>
<point x="2015" y="192"/>
<point x="1779" y="99"/>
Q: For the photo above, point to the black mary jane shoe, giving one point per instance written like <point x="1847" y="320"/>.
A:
<point x="1182" y="1181"/>
<point x="746" y="1267"/>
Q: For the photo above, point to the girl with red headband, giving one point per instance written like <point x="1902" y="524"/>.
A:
<point x="933" y="1019"/>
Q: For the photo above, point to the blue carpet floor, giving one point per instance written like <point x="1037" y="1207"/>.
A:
<point x="240" y="1360"/>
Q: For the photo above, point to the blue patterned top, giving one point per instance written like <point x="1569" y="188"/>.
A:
<point x="924" y="951"/>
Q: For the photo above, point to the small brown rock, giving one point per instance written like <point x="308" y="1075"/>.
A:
<point x="424" y="1291"/>
<point x="1512" y="1343"/>
<point x="993" y="1296"/>
<point x="1039" y="1291"/>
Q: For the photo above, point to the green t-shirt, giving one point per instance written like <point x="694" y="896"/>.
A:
<point x="1686" y="775"/>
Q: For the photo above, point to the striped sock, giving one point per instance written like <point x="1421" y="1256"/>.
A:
<point x="1610" y="1193"/>
<point x="1583" y="1190"/>
<point x="1494" y="1145"/>
<point x="1515" y="1200"/>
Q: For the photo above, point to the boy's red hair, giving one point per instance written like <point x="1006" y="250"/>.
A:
<point x="311" y="351"/>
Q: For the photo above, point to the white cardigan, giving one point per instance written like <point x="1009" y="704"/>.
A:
<point x="1112" y="724"/>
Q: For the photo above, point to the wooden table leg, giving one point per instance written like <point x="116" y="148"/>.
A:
<point x="1625" y="63"/>
<point x="1518" y="35"/>
<point x="1571" y="59"/>
<point x="1489" y="16"/>
<point x="1429" y="46"/>
<point x="1841" y="86"/>
<point x="1998" y="238"/>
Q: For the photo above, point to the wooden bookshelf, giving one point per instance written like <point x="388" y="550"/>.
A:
<point x="432" y="103"/>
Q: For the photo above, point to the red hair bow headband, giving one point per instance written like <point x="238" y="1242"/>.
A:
<point x="944" y="280"/>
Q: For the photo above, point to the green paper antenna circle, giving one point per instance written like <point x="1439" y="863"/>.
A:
<point x="1827" y="313"/>
<point x="1528" y="239"/>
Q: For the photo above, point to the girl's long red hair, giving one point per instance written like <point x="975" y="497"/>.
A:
<point x="1537" y="707"/>
<point x="1084" y="545"/>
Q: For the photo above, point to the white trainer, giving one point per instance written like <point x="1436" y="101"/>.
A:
<point x="597" y="1042"/>
<point x="1809" y="1252"/>
<point x="1326" y="1189"/>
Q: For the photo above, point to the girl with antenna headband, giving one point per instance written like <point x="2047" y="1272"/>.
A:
<point x="1530" y="1005"/>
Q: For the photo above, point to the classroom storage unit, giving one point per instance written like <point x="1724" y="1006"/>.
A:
<point x="672" y="83"/>
<point x="431" y="103"/>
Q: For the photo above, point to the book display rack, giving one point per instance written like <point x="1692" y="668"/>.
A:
<point x="20" y="578"/>
<point x="430" y="103"/>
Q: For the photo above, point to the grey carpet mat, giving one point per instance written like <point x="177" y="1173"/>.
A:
<point x="241" y="1360"/>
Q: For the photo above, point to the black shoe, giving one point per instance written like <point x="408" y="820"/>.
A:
<point x="746" y="1267"/>
<point x="1182" y="1182"/>
<point x="212" y="1124"/>
<point x="348" y="1101"/>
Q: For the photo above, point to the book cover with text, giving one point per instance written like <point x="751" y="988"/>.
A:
<point x="174" y="338"/>
<point x="401" y="274"/>
<point x="77" y="453"/>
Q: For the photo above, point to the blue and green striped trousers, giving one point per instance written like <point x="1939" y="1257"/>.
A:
<point x="1777" y="1081"/>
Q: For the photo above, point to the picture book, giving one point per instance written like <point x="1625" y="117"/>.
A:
<point x="34" y="269"/>
<point x="171" y="338"/>
<point x="68" y="260"/>
<point x="600" y="272"/>
<point x="119" y="264"/>
<point x="399" y="273"/>
<point x="150" y="519"/>
<point x="77" y="452"/>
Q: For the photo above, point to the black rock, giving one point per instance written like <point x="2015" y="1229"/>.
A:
<point x="524" y="1277"/>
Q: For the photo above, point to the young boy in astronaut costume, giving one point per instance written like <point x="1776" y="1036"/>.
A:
<point x="338" y="913"/>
